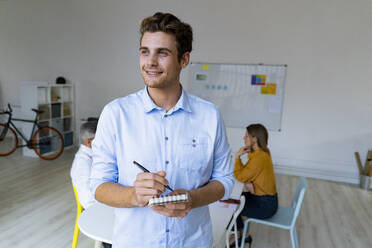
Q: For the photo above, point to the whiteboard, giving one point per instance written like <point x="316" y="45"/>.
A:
<point x="244" y="93"/>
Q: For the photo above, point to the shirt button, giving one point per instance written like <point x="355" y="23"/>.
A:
<point x="193" y="140"/>
<point x="167" y="162"/>
<point x="165" y="116"/>
<point x="166" y="138"/>
<point x="193" y="145"/>
<point x="167" y="230"/>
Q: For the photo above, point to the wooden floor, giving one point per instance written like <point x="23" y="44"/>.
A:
<point x="37" y="209"/>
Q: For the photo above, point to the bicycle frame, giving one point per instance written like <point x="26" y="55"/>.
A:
<point x="46" y="141"/>
<point x="10" y="123"/>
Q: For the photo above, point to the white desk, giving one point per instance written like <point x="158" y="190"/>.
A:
<point x="97" y="222"/>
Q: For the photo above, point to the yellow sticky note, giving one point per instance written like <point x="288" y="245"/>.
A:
<point x="264" y="90"/>
<point x="205" y="67"/>
<point x="272" y="88"/>
<point x="269" y="89"/>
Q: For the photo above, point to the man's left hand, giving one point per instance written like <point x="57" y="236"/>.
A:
<point x="178" y="210"/>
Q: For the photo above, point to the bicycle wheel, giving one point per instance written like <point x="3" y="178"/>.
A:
<point x="47" y="142"/>
<point x="8" y="140"/>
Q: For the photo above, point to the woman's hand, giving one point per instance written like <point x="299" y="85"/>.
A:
<point x="248" y="187"/>
<point x="243" y="150"/>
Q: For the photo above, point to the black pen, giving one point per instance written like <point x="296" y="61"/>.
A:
<point x="146" y="170"/>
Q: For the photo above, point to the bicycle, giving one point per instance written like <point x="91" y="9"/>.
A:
<point x="46" y="141"/>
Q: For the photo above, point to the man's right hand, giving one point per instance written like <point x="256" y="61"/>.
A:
<point x="149" y="185"/>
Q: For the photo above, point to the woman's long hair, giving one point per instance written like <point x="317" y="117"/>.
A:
<point x="260" y="132"/>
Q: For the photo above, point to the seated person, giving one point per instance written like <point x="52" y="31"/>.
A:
<point x="81" y="166"/>
<point x="257" y="174"/>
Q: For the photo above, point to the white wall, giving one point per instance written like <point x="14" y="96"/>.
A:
<point x="326" y="44"/>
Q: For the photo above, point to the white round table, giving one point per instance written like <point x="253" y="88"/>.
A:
<point x="97" y="222"/>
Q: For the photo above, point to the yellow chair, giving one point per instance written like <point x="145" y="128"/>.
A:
<point x="79" y="209"/>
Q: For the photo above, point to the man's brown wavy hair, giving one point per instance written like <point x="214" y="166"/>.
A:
<point x="168" y="23"/>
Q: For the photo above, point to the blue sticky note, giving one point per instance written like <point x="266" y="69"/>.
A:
<point x="253" y="80"/>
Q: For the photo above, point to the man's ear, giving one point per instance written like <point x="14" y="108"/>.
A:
<point x="185" y="60"/>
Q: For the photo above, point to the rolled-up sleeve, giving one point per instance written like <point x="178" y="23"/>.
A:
<point x="223" y="167"/>
<point x="104" y="168"/>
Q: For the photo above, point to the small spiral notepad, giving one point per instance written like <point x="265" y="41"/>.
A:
<point x="168" y="199"/>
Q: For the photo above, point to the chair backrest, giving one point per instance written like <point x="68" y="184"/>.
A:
<point x="298" y="198"/>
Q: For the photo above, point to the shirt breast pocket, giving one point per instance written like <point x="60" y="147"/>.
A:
<point x="193" y="153"/>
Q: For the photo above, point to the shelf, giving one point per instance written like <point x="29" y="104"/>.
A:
<point x="68" y="138"/>
<point x="55" y="94"/>
<point x="67" y="94"/>
<point x="43" y="123"/>
<point x="67" y="108"/>
<point x="56" y="110"/>
<point x="57" y="124"/>
<point x="46" y="114"/>
<point x="57" y="102"/>
<point x="67" y="124"/>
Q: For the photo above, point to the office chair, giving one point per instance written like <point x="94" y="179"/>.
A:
<point x="285" y="217"/>
<point x="79" y="209"/>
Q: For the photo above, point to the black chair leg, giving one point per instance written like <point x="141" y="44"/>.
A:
<point x="249" y="240"/>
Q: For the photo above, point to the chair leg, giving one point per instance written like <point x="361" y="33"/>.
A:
<point x="294" y="238"/>
<point x="236" y="235"/>
<point x="245" y="230"/>
<point x="227" y="238"/>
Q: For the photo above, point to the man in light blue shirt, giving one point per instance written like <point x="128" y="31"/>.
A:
<point x="178" y="137"/>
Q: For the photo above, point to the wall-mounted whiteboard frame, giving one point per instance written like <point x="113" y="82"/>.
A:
<point x="244" y="93"/>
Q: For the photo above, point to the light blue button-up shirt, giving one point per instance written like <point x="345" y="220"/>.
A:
<point x="188" y="142"/>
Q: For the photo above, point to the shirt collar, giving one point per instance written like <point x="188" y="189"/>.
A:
<point x="183" y="103"/>
<point x="148" y="103"/>
<point x="86" y="149"/>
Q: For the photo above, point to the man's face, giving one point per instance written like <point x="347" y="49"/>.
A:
<point x="160" y="67"/>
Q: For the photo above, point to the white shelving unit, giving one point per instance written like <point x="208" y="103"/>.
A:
<point x="57" y="102"/>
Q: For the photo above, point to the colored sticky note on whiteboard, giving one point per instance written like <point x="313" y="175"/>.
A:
<point x="205" y="67"/>
<point x="269" y="89"/>
<point x="258" y="79"/>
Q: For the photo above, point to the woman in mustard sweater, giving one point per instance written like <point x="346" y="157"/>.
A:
<point x="257" y="174"/>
